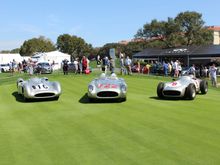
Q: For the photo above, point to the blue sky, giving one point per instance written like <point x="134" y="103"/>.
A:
<point x="97" y="21"/>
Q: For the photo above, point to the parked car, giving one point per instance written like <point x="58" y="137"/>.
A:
<point x="71" y="67"/>
<point x="107" y="87"/>
<point x="4" y="67"/>
<point x="184" y="87"/>
<point x="43" y="67"/>
<point x="38" y="88"/>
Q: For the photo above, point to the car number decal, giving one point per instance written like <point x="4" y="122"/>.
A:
<point x="174" y="84"/>
<point x="106" y="86"/>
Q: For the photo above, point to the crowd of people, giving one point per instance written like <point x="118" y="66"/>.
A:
<point x="172" y="68"/>
<point x="21" y="67"/>
<point x="79" y="65"/>
<point x="127" y="67"/>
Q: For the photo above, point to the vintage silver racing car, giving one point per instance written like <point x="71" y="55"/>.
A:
<point x="185" y="87"/>
<point x="107" y="87"/>
<point x="38" y="88"/>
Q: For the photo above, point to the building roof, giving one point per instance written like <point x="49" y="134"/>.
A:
<point x="210" y="50"/>
<point x="214" y="28"/>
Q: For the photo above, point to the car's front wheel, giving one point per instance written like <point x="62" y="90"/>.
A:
<point x="190" y="92"/>
<point x="123" y="99"/>
<point x="56" y="98"/>
<point x="160" y="87"/>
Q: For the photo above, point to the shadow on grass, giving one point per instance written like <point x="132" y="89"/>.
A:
<point x="167" y="98"/>
<point x="19" y="98"/>
<point x="86" y="100"/>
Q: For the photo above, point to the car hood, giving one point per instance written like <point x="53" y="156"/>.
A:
<point x="37" y="81"/>
<point x="107" y="83"/>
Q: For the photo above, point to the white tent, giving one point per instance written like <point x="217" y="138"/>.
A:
<point x="54" y="57"/>
<point x="8" y="57"/>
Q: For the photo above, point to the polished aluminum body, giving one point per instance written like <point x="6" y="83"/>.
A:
<point x="107" y="87"/>
<point x="38" y="88"/>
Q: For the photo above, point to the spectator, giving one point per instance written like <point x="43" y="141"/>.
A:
<point x="122" y="66"/>
<point x="84" y="64"/>
<point x="76" y="63"/>
<point x="176" y="68"/>
<point x="105" y="62"/>
<point x="205" y="72"/>
<point x="138" y="66"/>
<point x="213" y="75"/>
<point x="148" y="68"/>
<point x="192" y="70"/>
<point x="128" y="65"/>
<point x="65" y="67"/>
<point x="112" y="65"/>
<point x="98" y="62"/>
<point x="165" y="68"/>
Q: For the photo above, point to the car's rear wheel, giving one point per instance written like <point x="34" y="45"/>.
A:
<point x="160" y="88"/>
<point x="190" y="92"/>
<point x="204" y="86"/>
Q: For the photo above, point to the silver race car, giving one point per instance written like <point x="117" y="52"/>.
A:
<point x="38" y="88"/>
<point x="107" y="87"/>
<point x="185" y="87"/>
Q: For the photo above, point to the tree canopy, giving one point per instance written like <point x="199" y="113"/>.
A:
<point x="186" y="29"/>
<point x="34" y="45"/>
<point x="73" y="45"/>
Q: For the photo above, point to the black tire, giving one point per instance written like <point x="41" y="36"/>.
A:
<point x="123" y="99"/>
<point x="160" y="87"/>
<point x="204" y="86"/>
<point x="190" y="92"/>
<point x="56" y="98"/>
<point x="25" y="99"/>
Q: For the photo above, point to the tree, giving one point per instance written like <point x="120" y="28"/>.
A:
<point x="192" y="26"/>
<point x="164" y="31"/>
<point x="17" y="50"/>
<point x="34" y="45"/>
<point x="186" y="29"/>
<point x="5" y="51"/>
<point x="104" y="51"/>
<point x="73" y="45"/>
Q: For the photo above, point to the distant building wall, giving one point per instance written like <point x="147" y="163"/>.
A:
<point x="216" y="36"/>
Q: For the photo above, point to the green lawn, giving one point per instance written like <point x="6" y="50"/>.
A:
<point x="142" y="130"/>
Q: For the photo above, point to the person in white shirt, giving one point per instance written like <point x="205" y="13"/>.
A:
<point x="213" y="75"/>
<point x="128" y="65"/>
<point x="76" y="63"/>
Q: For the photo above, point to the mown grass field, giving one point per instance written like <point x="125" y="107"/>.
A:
<point x="142" y="130"/>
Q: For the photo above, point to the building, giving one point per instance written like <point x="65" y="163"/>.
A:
<point x="199" y="55"/>
<point x="216" y="34"/>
